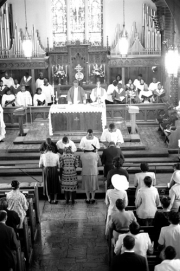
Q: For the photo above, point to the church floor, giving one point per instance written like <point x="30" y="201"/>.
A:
<point x="71" y="238"/>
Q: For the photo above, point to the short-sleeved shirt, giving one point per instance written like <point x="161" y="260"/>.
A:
<point x="121" y="220"/>
<point x="170" y="236"/>
<point x="112" y="195"/>
<point x="139" y="179"/>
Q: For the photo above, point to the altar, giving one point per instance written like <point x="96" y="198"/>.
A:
<point x="64" y="118"/>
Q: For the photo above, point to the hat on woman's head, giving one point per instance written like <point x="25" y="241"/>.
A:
<point x="120" y="182"/>
<point x="176" y="176"/>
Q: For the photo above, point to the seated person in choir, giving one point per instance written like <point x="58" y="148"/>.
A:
<point x="27" y="81"/>
<point x="2" y="90"/>
<point x="89" y="139"/>
<point x="23" y="97"/>
<point x="48" y="91"/>
<point x="40" y="80"/>
<point x="119" y="78"/>
<point x="119" y="95"/>
<point x="146" y="95"/>
<point x="8" y="99"/>
<point x="76" y="94"/>
<point x="39" y="98"/>
<point x="129" y="83"/>
<point x="132" y="95"/>
<point x="7" y="80"/>
<point x="111" y="88"/>
<point x="112" y="134"/>
<point x="98" y="94"/>
<point x="153" y="86"/>
<point x="159" y="94"/>
<point x="65" y="142"/>
<point x="16" y="88"/>
<point x="137" y="81"/>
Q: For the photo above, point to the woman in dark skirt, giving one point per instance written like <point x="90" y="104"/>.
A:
<point x="49" y="161"/>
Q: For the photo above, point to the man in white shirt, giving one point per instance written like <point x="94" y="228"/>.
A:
<point x="89" y="139"/>
<point x="170" y="263"/>
<point x="137" y="81"/>
<point x="23" y="97"/>
<point x="76" y="94"/>
<point x="111" y="88"/>
<point x="40" y="80"/>
<point x="98" y="94"/>
<point x="48" y="91"/>
<point x="7" y="80"/>
<point x="65" y="142"/>
<point x="170" y="235"/>
<point x="112" y="134"/>
<point x="153" y="85"/>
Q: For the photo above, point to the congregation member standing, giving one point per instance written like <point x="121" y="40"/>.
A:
<point x="147" y="201"/>
<point x="49" y="161"/>
<point x="2" y="125"/>
<point x="174" y="192"/>
<point x="89" y="139"/>
<point x="65" y="142"/>
<point x="16" y="88"/>
<point x="39" y="98"/>
<point x="23" y="97"/>
<point x="112" y="134"/>
<point x="111" y="88"/>
<point x="8" y="99"/>
<point x="47" y="91"/>
<point x="117" y="163"/>
<point x="17" y="201"/>
<point x="98" y="94"/>
<point x="170" y="263"/>
<point x="40" y="80"/>
<point x="8" y="245"/>
<point x="48" y="142"/>
<point x="27" y="81"/>
<point x="129" y="260"/>
<point x="7" y="80"/>
<point x="108" y="155"/>
<point x="68" y="163"/>
<point x="89" y="161"/>
<point x="76" y="94"/>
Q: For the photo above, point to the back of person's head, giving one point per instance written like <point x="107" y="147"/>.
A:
<point x="15" y="184"/>
<point x="165" y="201"/>
<point x="144" y="167"/>
<point x="176" y="166"/>
<point x="148" y="181"/>
<point x="48" y="141"/>
<point x="120" y="204"/>
<point x="169" y="253"/>
<point x="117" y="162"/>
<point x="49" y="147"/>
<point x="3" y="204"/>
<point x="174" y="218"/>
<point x="129" y="242"/>
<point x="112" y="143"/>
<point x="65" y="140"/>
<point x="112" y="126"/>
<point x="134" y="228"/>
<point x="3" y="215"/>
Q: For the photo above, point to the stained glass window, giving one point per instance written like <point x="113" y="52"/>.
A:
<point x="95" y="21"/>
<point x="77" y="19"/>
<point x="59" y="21"/>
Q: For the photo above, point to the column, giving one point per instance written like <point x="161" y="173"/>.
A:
<point x="33" y="87"/>
<point x="68" y="22"/>
<point x="123" y="76"/>
<point x="86" y="21"/>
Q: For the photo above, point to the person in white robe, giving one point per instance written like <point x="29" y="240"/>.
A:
<point x="65" y="142"/>
<point x="23" y="97"/>
<point x="89" y="139"/>
<point x="8" y="99"/>
<point x="111" y="88"/>
<point x="137" y="81"/>
<point x="98" y="94"/>
<point x="39" y="98"/>
<point x="2" y="125"/>
<point x="146" y="95"/>
<point x="160" y="94"/>
<point x="153" y="85"/>
<point x="40" y="80"/>
<point x="3" y="90"/>
<point x="48" y="91"/>
<point x="7" y="80"/>
<point x="112" y="134"/>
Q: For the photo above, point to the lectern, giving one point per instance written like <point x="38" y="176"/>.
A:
<point x="20" y="113"/>
<point x="133" y="110"/>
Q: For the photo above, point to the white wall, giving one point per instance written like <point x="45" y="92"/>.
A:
<point x="39" y="14"/>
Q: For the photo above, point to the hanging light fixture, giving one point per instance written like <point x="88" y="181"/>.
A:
<point x="123" y="41"/>
<point x="27" y="42"/>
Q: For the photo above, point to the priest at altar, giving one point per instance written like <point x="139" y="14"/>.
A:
<point x="76" y="94"/>
<point x="98" y="94"/>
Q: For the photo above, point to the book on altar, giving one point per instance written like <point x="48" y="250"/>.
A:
<point x="120" y="98"/>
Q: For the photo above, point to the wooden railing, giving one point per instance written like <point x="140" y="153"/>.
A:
<point x="147" y="113"/>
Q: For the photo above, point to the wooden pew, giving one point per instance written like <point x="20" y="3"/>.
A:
<point x="21" y="265"/>
<point x="32" y="221"/>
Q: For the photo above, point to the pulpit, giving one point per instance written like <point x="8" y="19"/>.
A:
<point x="20" y="113"/>
<point x="133" y="110"/>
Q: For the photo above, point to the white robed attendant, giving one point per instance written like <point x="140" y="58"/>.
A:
<point x="98" y="94"/>
<point x="23" y="98"/>
<point x="48" y="91"/>
<point x="111" y="88"/>
<point x="9" y="82"/>
<point x="39" y="99"/>
<point x="39" y="82"/>
<point x="2" y="125"/>
<point x="146" y="95"/>
<point x="89" y="140"/>
<point x="112" y="134"/>
<point x="7" y="98"/>
<point x="154" y="85"/>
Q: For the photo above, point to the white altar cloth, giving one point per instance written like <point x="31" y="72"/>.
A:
<point x="80" y="108"/>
